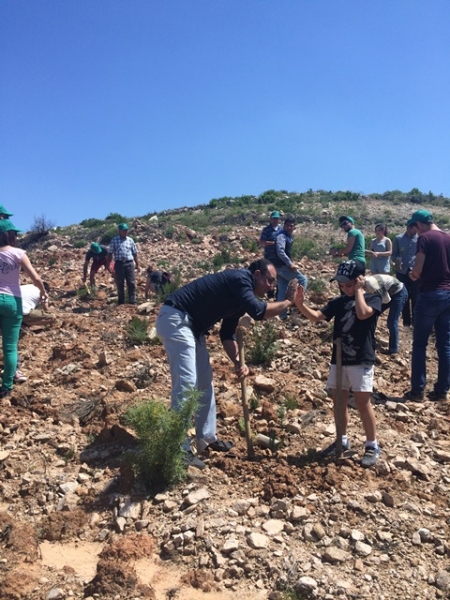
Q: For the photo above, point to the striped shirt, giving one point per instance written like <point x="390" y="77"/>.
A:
<point x="123" y="248"/>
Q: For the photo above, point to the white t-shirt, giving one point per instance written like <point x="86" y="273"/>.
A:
<point x="384" y="285"/>
<point x="31" y="296"/>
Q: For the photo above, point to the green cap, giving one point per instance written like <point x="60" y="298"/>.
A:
<point x="3" y="211"/>
<point x="123" y="226"/>
<point x="95" y="248"/>
<point x="345" y="218"/>
<point x="420" y="216"/>
<point x="6" y="225"/>
<point x="275" y="215"/>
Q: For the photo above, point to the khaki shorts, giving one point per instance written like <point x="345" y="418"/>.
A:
<point x="38" y="316"/>
<point x="359" y="378"/>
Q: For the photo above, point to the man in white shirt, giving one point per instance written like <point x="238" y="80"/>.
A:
<point x="32" y="315"/>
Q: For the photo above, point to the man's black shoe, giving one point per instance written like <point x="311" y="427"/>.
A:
<point x="437" y="396"/>
<point x="414" y="396"/>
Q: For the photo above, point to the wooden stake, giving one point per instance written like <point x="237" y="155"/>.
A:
<point x="338" y="404"/>
<point x="248" y="431"/>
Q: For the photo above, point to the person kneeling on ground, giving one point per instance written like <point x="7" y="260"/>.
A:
<point x="32" y="315"/>
<point x="99" y="256"/>
<point x="156" y="280"/>
<point x="393" y="297"/>
<point x="355" y="319"/>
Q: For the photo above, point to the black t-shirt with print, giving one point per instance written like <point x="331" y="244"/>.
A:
<point x="358" y="336"/>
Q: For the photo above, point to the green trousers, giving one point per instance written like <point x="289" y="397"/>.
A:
<point x="10" y="322"/>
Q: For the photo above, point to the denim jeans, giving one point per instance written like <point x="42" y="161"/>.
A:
<point x="10" y="322"/>
<point x="413" y="290"/>
<point x="189" y="368"/>
<point x="395" y="307"/>
<point x="284" y="276"/>
<point x="432" y="309"/>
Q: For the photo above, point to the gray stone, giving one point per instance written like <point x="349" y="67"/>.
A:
<point x="443" y="581"/>
<point x="55" y="594"/>
<point x="305" y="585"/>
<point x="196" y="496"/>
<point x="264" y="384"/>
<point x="363" y="549"/>
<point x="335" y="555"/>
<point x="257" y="540"/>
<point x="299" y="514"/>
<point x="231" y="545"/>
<point x="130" y="509"/>
<point x="273" y="526"/>
<point x="69" y="486"/>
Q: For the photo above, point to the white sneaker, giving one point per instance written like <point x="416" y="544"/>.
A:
<point x="19" y="377"/>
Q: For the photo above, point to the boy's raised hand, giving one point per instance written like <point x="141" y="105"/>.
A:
<point x="359" y="282"/>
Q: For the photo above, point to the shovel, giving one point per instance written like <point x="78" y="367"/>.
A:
<point x="338" y="406"/>
<point x="248" y="431"/>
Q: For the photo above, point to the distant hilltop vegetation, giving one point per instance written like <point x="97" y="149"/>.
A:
<point x="317" y="207"/>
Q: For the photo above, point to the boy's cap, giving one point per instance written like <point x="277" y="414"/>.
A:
<point x="6" y="225"/>
<point x="95" y="248"/>
<point x="123" y="226"/>
<point x="344" y="218"/>
<point x="3" y="211"/>
<point x="420" y="216"/>
<point x="275" y="215"/>
<point x="348" y="271"/>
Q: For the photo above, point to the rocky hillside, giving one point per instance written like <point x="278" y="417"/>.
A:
<point x="74" y="522"/>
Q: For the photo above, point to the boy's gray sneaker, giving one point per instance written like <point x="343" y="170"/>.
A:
<point x="371" y="456"/>
<point x="331" y="449"/>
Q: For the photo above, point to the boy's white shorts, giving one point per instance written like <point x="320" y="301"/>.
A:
<point x="359" y="378"/>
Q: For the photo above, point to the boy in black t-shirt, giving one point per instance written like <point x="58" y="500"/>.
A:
<point x="355" y="318"/>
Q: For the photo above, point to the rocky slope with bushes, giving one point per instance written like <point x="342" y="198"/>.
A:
<point x="75" y="522"/>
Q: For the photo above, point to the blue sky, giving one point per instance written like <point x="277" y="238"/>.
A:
<point x="135" y="106"/>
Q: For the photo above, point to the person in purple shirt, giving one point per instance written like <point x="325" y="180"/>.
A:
<point x="184" y="321"/>
<point x="432" y="270"/>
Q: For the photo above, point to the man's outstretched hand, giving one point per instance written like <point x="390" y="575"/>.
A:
<point x="291" y="290"/>
<point x="299" y="296"/>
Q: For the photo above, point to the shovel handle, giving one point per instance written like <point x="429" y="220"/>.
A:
<point x="248" y="431"/>
<point x="338" y="405"/>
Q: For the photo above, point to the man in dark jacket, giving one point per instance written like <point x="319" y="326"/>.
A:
<point x="186" y="317"/>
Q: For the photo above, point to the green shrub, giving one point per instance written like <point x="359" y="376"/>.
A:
<point x="116" y="218"/>
<point x="220" y="259"/>
<point x="90" y="223"/>
<point x="80" y="243"/>
<point x="137" y="330"/>
<point x="263" y="345"/>
<point x="160" y="432"/>
<point x="290" y="402"/>
<point x="108" y="235"/>
<point x="317" y="286"/>
<point x="169" y="232"/>
<point x="306" y="247"/>
<point x="251" y="245"/>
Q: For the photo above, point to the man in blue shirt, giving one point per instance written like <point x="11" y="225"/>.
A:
<point x="124" y="251"/>
<point x="269" y="236"/>
<point x="403" y="256"/>
<point x="286" y="269"/>
<point x="186" y="317"/>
